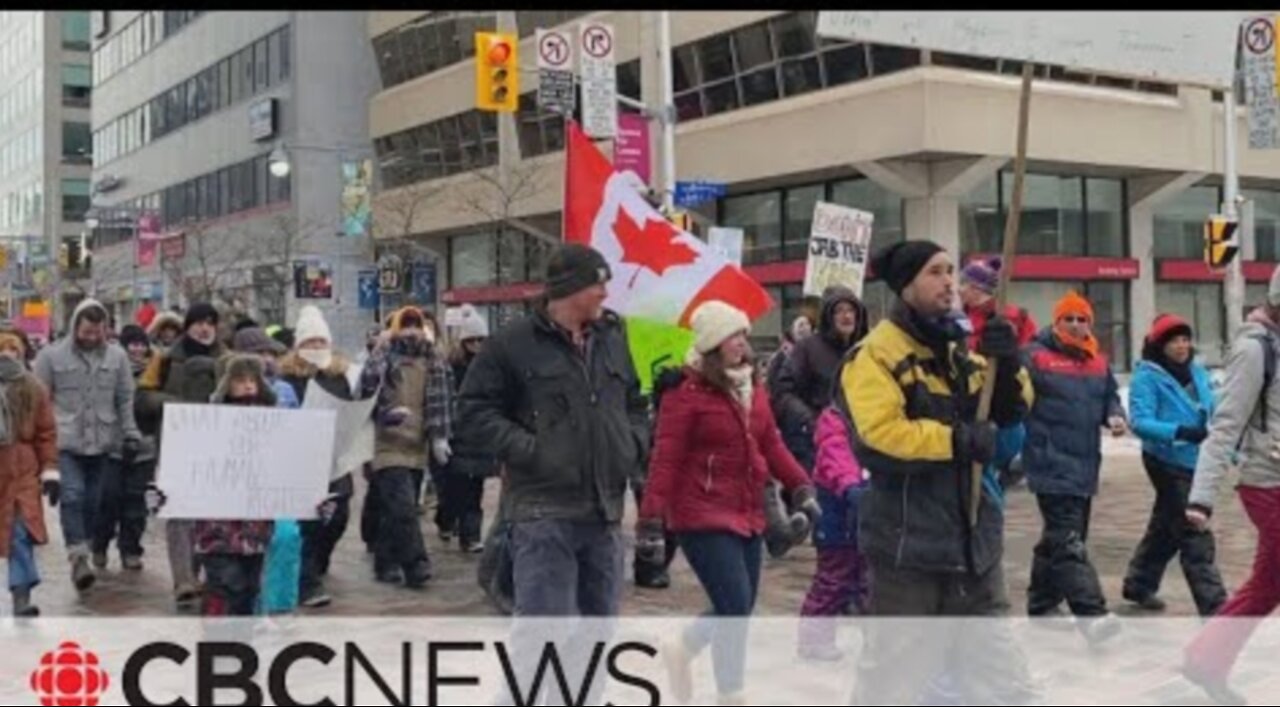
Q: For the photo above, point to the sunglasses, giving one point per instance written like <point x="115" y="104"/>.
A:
<point x="1076" y="320"/>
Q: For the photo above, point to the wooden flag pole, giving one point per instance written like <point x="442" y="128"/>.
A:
<point x="1011" y="228"/>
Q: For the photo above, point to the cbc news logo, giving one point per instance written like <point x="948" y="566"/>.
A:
<point x="70" y="675"/>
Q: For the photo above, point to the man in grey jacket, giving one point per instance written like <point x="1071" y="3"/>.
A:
<point x="1247" y="419"/>
<point x="91" y="383"/>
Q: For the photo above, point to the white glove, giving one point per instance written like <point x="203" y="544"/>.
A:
<point x="442" y="452"/>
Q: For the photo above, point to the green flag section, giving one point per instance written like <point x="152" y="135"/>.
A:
<point x="655" y="346"/>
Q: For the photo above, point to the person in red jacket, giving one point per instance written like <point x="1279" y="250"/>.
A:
<point x="717" y="445"/>
<point x="978" y="285"/>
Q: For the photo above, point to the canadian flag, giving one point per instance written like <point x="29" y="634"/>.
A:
<point x="661" y="274"/>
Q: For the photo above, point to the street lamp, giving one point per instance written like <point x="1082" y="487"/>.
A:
<point x="278" y="163"/>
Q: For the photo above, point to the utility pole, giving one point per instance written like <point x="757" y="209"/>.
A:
<point x="1235" y="286"/>
<point x="667" y="114"/>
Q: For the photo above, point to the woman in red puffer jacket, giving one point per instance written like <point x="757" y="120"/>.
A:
<point x="717" y="446"/>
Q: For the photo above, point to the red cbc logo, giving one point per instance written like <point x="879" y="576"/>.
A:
<point x="70" y="675"/>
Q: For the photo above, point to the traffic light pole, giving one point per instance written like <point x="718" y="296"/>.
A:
<point x="1235" y="286"/>
<point x="667" y="114"/>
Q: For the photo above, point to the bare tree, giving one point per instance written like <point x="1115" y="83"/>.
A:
<point x="397" y="213"/>
<point x="211" y="255"/>
<point x="496" y="200"/>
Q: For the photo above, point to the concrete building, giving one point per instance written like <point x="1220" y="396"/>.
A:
<point x="1122" y="173"/>
<point x="196" y="112"/>
<point x="45" y="158"/>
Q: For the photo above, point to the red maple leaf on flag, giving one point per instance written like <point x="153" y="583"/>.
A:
<point x="654" y="247"/>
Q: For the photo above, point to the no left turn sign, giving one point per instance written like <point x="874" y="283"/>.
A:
<point x="554" y="50"/>
<point x="1260" y="35"/>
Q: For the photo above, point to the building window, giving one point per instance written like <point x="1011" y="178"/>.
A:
<point x="75" y="31"/>
<point x="77" y="145"/>
<point x="471" y="260"/>
<point x="452" y="145"/>
<point x="1061" y="215"/>
<point x="886" y="206"/>
<point x="430" y="43"/>
<point x="530" y="22"/>
<point x="760" y="216"/>
<point x="1179" y="223"/>
<point x="75" y="199"/>
<point x="136" y="39"/>
<point x="1266" y="221"/>
<point x="77" y="85"/>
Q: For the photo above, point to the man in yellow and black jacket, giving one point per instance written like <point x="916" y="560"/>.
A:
<point x="912" y="391"/>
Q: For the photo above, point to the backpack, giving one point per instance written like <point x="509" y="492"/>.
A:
<point x="1270" y="346"/>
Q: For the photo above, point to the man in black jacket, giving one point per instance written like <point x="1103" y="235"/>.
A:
<point x="557" y="397"/>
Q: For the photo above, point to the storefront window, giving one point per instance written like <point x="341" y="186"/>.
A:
<point x="1179" y="223"/>
<point x="760" y="215"/>
<point x="1051" y="215"/>
<point x="1266" y="220"/>
<point x="801" y="203"/>
<point x="471" y="260"/>
<point x="1067" y="216"/>
<point x="788" y="304"/>
<point x="1200" y="304"/>
<point x="887" y="206"/>
<point x="981" y="220"/>
<point x="1105" y="222"/>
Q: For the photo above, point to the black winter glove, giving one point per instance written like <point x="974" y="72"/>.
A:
<point x="977" y="440"/>
<point x="52" y="490"/>
<point x="1193" y="435"/>
<point x="130" y="449"/>
<point x="805" y="500"/>
<point x="999" y="340"/>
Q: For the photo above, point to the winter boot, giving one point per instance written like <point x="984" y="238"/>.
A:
<point x="100" y="561"/>
<point x="81" y="574"/>
<point x="131" y="563"/>
<point x="22" y="606"/>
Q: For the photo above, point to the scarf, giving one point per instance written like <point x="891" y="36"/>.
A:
<point x="194" y="348"/>
<point x="742" y="378"/>
<point x="11" y="371"/>
<point x="1087" y="347"/>
<point x="937" y="333"/>
<point x="1181" y="372"/>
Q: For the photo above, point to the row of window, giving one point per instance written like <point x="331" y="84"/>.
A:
<point x="21" y="43"/>
<point x="136" y="39"/>
<point x="258" y="67"/>
<point x="21" y="100"/>
<point x="1070" y="216"/>
<point x="501" y="256"/>
<point x="21" y="151"/>
<point x="75" y="31"/>
<point x="75" y="199"/>
<point x="444" y="38"/>
<point x="21" y="206"/>
<point x="468" y="141"/>
<point x="234" y="189"/>
<point x="1179" y="225"/>
<point x="1049" y="72"/>
<point x="77" y="143"/>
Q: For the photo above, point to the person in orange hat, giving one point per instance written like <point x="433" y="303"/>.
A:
<point x="1076" y="396"/>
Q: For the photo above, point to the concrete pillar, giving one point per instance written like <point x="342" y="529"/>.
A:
<point x="1145" y="196"/>
<point x="935" y="218"/>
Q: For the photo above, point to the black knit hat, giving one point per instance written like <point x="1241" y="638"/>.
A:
<point x="899" y="264"/>
<point x="573" y="268"/>
<point x="133" y="334"/>
<point x="201" y="312"/>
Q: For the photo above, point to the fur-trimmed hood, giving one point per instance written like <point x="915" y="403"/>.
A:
<point x="294" y="366"/>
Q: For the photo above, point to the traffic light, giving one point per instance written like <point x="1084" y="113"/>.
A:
<point x="497" y="72"/>
<point x="1221" y="241"/>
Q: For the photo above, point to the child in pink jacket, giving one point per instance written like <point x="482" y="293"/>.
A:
<point x="841" y="582"/>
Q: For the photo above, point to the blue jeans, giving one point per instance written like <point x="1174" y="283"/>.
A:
<point x="23" y="572"/>
<point x="82" y="494"/>
<point x="728" y="566"/>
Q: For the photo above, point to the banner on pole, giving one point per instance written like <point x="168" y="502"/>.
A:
<point x="839" y="249"/>
<point x="225" y="462"/>
<point x="357" y="190"/>
<point x="632" y="150"/>
<point x="1258" y="35"/>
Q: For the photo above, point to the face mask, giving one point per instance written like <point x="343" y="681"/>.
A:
<point x="320" y="358"/>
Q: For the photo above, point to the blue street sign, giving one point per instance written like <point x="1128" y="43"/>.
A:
<point x="690" y="194"/>
<point x="369" y="295"/>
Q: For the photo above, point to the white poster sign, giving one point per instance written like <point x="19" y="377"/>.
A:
<point x="1258" y="36"/>
<point x="1177" y="47"/>
<point x="839" y="249"/>
<point x="224" y="462"/>
<point x="728" y="242"/>
<point x="598" y="64"/>
<point x="354" y="436"/>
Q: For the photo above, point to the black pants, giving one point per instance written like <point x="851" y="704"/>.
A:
<point x="460" y="510"/>
<point x="399" y="535"/>
<point x="122" y="516"/>
<point x="647" y="572"/>
<point x="319" y="540"/>
<point x="903" y="656"/>
<point x="370" y="512"/>
<point x="1170" y="535"/>
<point x="232" y="584"/>
<point x="1062" y="570"/>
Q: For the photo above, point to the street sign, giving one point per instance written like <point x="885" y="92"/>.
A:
<point x="599" y="72"/>
<point x="691" y="194"/>
<point x="368" y="286"/>
<point x="556" y="87"/>
<point x="1260" y="68"/>
<point x="390" y="275"/>
<point x="1176" y="47"/>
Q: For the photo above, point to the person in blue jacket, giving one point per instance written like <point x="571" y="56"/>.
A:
<point x="1171" y="402"/>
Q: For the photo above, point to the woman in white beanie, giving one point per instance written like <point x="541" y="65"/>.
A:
<point x="313" y="359"/>
<point x="717" y="446"/>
